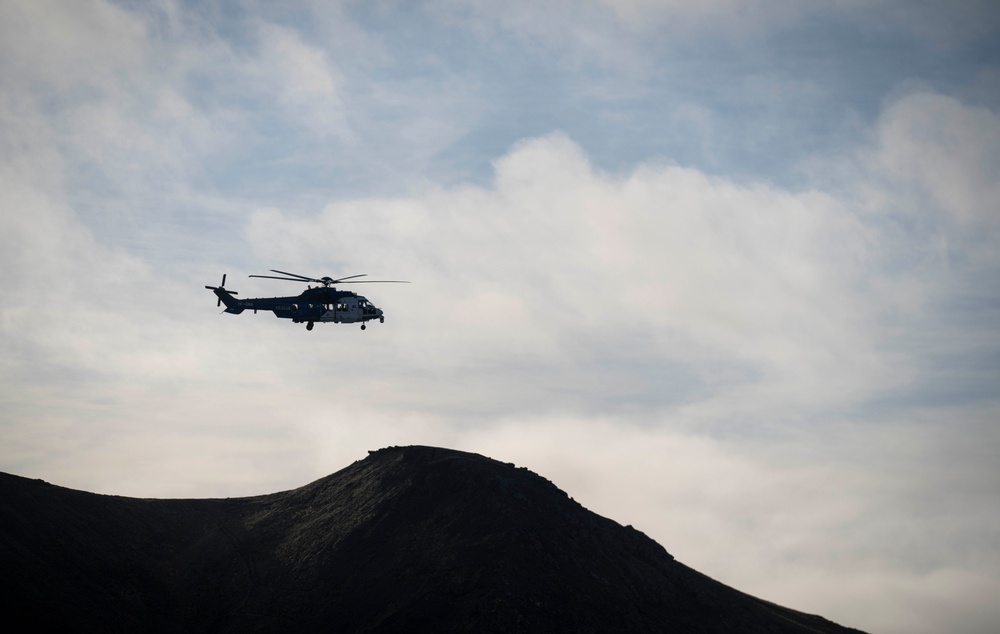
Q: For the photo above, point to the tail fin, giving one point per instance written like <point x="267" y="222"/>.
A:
<point x="226" y="297"/>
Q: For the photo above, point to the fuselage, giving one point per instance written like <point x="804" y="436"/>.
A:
<point x="312" y="305"/>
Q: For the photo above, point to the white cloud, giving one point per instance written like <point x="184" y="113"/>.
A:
<point x="710" y="273"/>
<point x="301" y="79"/>
<point x="68" y="43"/>
<point x="946" y="149"/>
<point x="76" y="305"/>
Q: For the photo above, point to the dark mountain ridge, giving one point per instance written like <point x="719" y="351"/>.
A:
<point x="413" y="539"/>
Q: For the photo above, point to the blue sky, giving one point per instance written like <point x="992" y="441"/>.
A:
<point x="724" y="271"/>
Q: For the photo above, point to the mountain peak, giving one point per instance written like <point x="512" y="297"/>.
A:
<point x="408" y="539"/>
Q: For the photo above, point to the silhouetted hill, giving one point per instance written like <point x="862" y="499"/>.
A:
<point x="412" y="539"/>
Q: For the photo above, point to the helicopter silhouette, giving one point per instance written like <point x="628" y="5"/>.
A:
<point x="321" y="303"/>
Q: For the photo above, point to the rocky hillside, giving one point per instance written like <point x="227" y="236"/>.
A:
<point x="413" y="539"/>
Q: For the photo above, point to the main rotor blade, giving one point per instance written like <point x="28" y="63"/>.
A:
<point x="349" y="277"/>
<point x="379" y="282"/>
<point x="313" y="279"/>
<point x="295" y="277"/>
<point x="301" y="277"/>
<point x="287" y="279"/>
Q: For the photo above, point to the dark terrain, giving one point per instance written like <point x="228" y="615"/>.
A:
<point x="411" y="539"/>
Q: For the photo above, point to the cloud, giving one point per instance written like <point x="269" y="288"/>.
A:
<point x="64" y="44"/>
<point x="733" y="281"/>
<point x="300" y="79"/>
<point x="946" y="150"/>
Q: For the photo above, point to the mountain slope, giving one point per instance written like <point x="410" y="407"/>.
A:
<point x="409" y="539"/>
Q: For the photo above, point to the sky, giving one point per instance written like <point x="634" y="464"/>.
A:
<point x="726" y="271"/>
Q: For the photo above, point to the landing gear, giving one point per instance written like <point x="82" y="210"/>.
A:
<point x="309" y="326"/>
<point x="381" y="320"/>
<point x="362" y="326"/>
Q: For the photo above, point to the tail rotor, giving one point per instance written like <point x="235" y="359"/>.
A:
<point x="221" y="287"/>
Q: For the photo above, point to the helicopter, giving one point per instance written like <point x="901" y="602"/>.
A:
<point x="321" y="303"/>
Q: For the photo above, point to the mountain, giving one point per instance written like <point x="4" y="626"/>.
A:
<point x="410" y="539"/>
